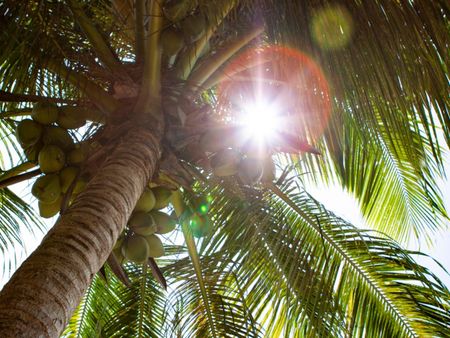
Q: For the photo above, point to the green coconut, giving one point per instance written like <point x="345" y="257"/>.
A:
<point x="200" y="225"/>
<point x="28" y="132"/>
<point x="202" y="204"/>
<point x="78" y="155"/>
<point x="51" y="159"/>
<point x="32" y="152"/>
<point x="171" y="41"/>
<point x="119" y="241"/>
<point x="146" y="202"/>
<point x="135" y="248"/>
<point x="142" y="223"/>
<point x="45" y="112"/>
<point x="162" y="197"/>
<point x="225" y="162"/>
<point x="66" y="177"/>
<point x="58" y="137"/>
<point x="218" y="139"/>
<point x="71" y="117"/>
<point x="47" y="188"/>
<point x="164" y="223"/>
<point x="48" y="210"/>
<point x="193" y="27"/>
<point x="155" y="246"/>
<point x="250" y="170"/>
<point x="119" y="255"/>
<point x="79" y="186"/>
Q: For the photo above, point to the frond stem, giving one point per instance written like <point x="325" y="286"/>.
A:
<point x="203" y="72"/>
<point x="19" y="178"/>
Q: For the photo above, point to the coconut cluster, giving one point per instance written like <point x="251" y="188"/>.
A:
<point x="227" y="157"/>
<point x="46" y="141"/>
<point x="139" y="240"/>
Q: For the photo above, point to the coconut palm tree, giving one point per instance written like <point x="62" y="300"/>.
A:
<point x="362" y="96"/>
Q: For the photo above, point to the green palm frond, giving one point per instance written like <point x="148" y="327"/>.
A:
<point x="110" y="309"/>
<point x="294" y="257"/>
<point x="395" y="185"/>
<point x="389" y="85"/>
<point x="230" y="315"/>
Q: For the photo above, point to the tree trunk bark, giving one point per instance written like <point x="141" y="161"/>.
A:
<point x="41" y="296"/>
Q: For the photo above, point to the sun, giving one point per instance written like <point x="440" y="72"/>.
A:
<point x="260" y="120"/>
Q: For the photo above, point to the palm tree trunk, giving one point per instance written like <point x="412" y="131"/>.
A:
<point x="41" y="296"/>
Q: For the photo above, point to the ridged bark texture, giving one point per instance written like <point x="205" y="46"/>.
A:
<point x="41" y="296"/>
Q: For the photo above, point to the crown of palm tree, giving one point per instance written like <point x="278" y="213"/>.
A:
<point x="275" y="262"/>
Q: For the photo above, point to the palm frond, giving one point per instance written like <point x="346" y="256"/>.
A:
<point x="389" y="85"/>
<point x="110" y="309"/>
<point x="395" y="185"/>
<point x="292" y="256"/>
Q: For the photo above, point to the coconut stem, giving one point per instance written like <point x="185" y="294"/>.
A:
<point x="105" y="102"/>
<point x="139" y="30"/>
<point x="149" y="99"/>
<point x="220" y="76"/>
<point x="19" y="178"/>
<point x="188" y="59"/>
<point x="99" y="45"/>
<point x="202" y="73"/>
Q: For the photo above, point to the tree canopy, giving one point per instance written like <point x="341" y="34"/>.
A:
<point x="362" y="89"/>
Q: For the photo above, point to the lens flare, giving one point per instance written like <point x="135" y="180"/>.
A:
<point x="274" y="87"/>
<point x="332" y="27"/>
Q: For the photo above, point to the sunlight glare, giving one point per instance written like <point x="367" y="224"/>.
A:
<point x="261" y="120"/>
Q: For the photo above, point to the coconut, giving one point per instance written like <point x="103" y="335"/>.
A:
<point x="118" y="254"/>
<point x="225" y="162"/>
<point x="28" y="132"/>
<point x="45" y="112"/>
<point x="164" y="223"/>
<point x="162" y="197"/>
<point x="79" y="186"/>
<point x="218" y="139"/>
<point x="142" y="223"/>
<point x="66" y="177"/>
<point x="59" y="137"/>
<point x="202" y="204"/>
<point x="193" y="27"/>
<point x="51" y="159"/>
<point x="200" y="225"/>
<point x="47" y="188"/>
<point x="78" y="155"/>
<point x="48" y="210"/>
<point x="135" y="248"/>
<point x="70" y="118"/>
<point x="171" y="41"/>
<point x="146" y="202"/>
<point x="155" y="246"/>
<point x="32" y="152"/>
<point x="250" y="170"/>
